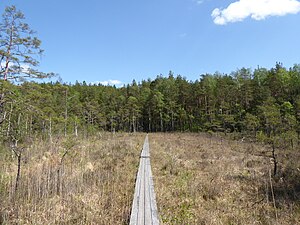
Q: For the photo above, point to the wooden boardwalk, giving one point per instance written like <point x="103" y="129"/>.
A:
<point x="144" y="208"/>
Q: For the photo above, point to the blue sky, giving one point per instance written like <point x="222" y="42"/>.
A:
<point x="97" y="40"/>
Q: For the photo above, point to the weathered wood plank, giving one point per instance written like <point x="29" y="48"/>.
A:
<point x="144" y="207"/>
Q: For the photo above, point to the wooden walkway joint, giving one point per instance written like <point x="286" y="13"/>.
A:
<point x="144" y="208"/>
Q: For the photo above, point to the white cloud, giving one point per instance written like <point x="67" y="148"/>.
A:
<point x="25" y="68"/>
<point x="108" y="82"/>
<point x="22" y="68"/>
<point x="256" y="9"/>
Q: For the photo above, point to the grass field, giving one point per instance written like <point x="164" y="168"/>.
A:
<point x="202" y="179"/>
<point x="93" y="185"/>
<point x="199" y="179"/>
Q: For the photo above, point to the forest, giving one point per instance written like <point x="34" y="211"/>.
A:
<point x="261" y="104"/>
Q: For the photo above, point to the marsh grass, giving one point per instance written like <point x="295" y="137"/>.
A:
<point x="71" y="181"/>
<point x="199" y="179"/>
<point x="205" y="179"/>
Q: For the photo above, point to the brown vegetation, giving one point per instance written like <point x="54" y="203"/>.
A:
<point x="68" y="181"/>
<point x="199" y="179"/>
<point x="203" y="179"/>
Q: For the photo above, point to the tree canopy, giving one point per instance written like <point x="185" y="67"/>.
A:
<point x="244" y="101"/>
<point x="19" y="48"/>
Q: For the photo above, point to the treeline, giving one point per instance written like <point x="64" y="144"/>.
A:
<point x="263" y="102"/>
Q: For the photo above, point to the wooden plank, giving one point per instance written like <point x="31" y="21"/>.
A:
<point x="154" y="212"/>
<point x="147" y="210"/>
<point x="141" y="200"/>
<point x="144" y="207"/>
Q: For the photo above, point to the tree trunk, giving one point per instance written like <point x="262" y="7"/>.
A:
<point x="133" y="123"/>
<point x="75" y="128"/>
<point x="50" y="129"/>
<point x="26" y="125"/>
<point x="172" y="116"/>
<point x="9" y="120"/>
<point x="18" y="153"/>
<point x="111" y="124"/>
<point x="161" y="122"/>
<point x="2" y="111"/>
<point x="19" y="120"/>
<point x="274" y="159"/>
<point x="19" y="156"/>
<point x="59" y="169"/>
<point x="58" y="181"/>
<point x="149" y="119"/>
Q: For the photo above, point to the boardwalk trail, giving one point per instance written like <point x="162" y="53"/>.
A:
<point x="144" y="208"/>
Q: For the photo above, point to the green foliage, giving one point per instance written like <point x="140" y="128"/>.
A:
<point x="243" y="102"/>
<point x="251" y="121"/>
<point x="19" y="48"/>
<point x="216" y="102"/>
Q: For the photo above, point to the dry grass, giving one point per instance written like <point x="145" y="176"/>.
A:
<point x="93" y="184"/>
<point x="201" y="179"/>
